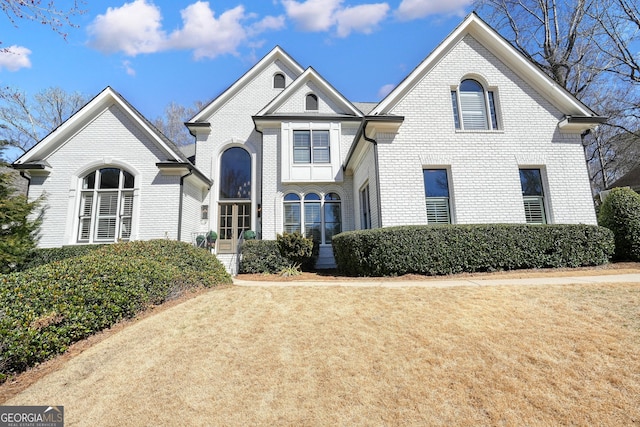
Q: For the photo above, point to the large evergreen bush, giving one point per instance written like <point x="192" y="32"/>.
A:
<point x="620" y="212"/>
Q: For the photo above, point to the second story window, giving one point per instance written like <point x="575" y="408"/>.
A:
<point x="474" y="108"/>
<point x="311" y="102"/>
<point x="311" y="146"/>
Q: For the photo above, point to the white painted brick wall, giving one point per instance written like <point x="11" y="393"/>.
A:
<point x="485" y="186"/>
<point x="110" y="139"/>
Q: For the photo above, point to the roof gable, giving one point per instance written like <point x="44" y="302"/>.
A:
<point x="276" y="54"/>
<point x="309" y="81"/>
<point x="101" y="102"/>
<point x="473" y="25"/>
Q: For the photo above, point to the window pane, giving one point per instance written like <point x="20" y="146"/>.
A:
<point x="438" y="210"/>
<point x="312" y="196"/>
<point x="106" y="229"/>
<point x="312" y="220"/>
<point x="109" y="178"/>
<point x="89" y="182"/>
<point x="492" y="111"/>
<point x="302" y="146"/>
<point x="291" y="197"/>
<point x="472" y="104"/>
<point x="278" y="81"/>
<point x="235" y="174"/>
<point x="534" y="210"/>
<point x="126" y="208"/>
<point x="454" y="102"/>
<point x="531" y="182"/>
<point x="128" y="179"/>
<point x="311" y="102"/>
<point x="332" y="220"/>
<point x="125" y="229"/>
<point x="321" y="146"/>
<point x="107" y="203"/>
<point x="435" y="183"/>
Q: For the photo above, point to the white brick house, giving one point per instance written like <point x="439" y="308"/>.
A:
<point x="474" y="134"/>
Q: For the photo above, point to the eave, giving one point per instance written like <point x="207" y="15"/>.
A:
<point x="579" y="124"/>
<point x="179" y="168"/>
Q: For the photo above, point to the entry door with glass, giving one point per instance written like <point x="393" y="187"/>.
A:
<point x="234" y="207"/>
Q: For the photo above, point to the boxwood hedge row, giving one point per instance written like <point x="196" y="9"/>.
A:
<point x="45" y="309"/>
<point x="42" y="256"/>
<point x="262" y="256"/>
<point x="436" y="250"/>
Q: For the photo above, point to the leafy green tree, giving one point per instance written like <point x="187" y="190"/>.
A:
<point x="19" y="224"/>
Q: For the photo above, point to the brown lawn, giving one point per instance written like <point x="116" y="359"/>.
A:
<point x="535" y="355"/>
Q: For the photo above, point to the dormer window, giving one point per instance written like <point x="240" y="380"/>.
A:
<point x="278" y="81"/>
<point x="474" y="108"/>
<point x="311" y="102"/>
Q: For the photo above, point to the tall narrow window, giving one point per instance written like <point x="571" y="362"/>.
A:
<point x="106" y="206"/>
<point x="533" y="196"/>
<point x="473" y="107"/>
<point x="365" y="208"/>
<point x="278" y="81"/>
<point x="292" y="213"/>
<point x="332" y="217"/>
<point x="311" y="102"/>
<point x="311" y="146"/>
<point x="436" y="189"/>
<point x="313" y="217"/>
<point x="235" y="174"/>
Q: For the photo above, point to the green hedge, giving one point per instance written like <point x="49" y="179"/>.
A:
<point x="435" y="250"/>
<point x="620" y="212"/>
<point x="43" y="256"/>
<point x="262" y="256"/>
<point x="47" y="308"/>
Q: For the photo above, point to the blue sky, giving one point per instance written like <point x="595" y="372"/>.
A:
<point x="162" y="51"/>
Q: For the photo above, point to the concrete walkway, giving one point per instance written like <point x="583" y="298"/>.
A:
<point x="445" y="283"/>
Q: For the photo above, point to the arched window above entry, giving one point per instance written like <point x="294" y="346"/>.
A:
<point x="474" y="108"/>
<point x="235" y="174"/>
<point x="278" y="81"/>
<point x="311" y="103"/>
<point x="106" y="206"/>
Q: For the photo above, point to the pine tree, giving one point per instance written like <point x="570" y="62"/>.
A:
<point x="19" y="224"/>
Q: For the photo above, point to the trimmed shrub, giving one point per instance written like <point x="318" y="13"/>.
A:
<point x="43" y="256"/>
<point x="47" y="308"/>
<point x="435" y="250"/>
<point x="297" y="249"/>
<point x="262" y="256"/>
<point x="620" y="212"/>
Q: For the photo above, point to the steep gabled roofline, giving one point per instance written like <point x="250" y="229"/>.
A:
<point x="275" y="53"/>
<point x="96" y="105"/>
<point x="310" y="74"/>
<point x="499" y="46"/>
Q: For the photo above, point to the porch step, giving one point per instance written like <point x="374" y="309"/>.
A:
<point x="230" y="262"/>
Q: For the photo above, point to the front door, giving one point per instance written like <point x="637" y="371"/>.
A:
<point x="235" y="219"/>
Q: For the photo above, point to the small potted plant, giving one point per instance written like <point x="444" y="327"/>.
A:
<point x="249" y="235"/>
<point x="212" y="236"/>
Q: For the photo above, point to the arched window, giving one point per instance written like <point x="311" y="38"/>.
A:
<point x="473" y="107"/>
<point x="311" y="102"/>
<point x="292" y="213"/>
<point x="278" y="81"/>
<point x="106" y="206"/>
<point x="235" y="174"/>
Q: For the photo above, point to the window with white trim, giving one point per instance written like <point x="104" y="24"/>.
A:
<point x="319" y="217"/>
<point x="106" y="206"/>
<point x="278" y="81"/>
<point x="311" y="102"/>
<point x="474" y="108"/>
<point x="365" y="208"/>
<point x="436" y="191"/>
<point x="533" y="196"/>
<point x="311" y="146"/>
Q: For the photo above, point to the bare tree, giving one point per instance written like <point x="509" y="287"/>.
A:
<point x="24" y="121"/>
<point x="172" y="123"/>
<point x="46" y="13"/>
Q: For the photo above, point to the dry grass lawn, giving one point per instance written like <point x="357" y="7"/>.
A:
<point x="538" y="355"/>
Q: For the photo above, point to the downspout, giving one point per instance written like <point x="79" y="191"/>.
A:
<point x="375" y="158"/>
<point x="182" y="178"/>
<point x="28" y="178"/>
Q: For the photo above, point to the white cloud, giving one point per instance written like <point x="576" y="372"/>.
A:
<point x="312" y="15"/>
<point x="363" y="18"/>
<point x="136" y="28"/>
<point x="208" y="36"/>
<point x="128" y="68"/>
<point x="133" y="28"/>
<point x="416" y="9"/>
<point x="323" y="15"/>
<point x="385" y="90"/>
<point x="15" y="57"/>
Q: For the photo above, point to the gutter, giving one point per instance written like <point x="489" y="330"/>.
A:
<point x="28" y="178"/>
